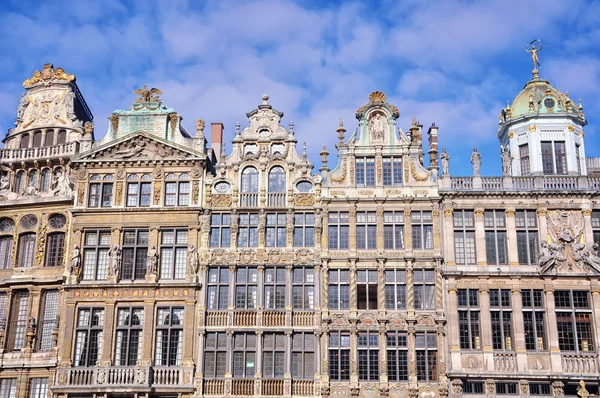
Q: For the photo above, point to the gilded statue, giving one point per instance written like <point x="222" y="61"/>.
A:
<point x="534" y="50"/>
<point x="152" y="95"/>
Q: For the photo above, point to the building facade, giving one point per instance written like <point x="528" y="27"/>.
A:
<point x="149" y="264"/>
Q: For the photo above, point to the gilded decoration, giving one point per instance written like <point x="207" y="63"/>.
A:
<point x="80" y="194"/>
<point x="342" y="176"/>
<point x="47" y="75"/>
<point x="152" y="95"/>
<point x="511" y="134"/>
<point x="114" y="122"/>
<point x="416" y="176"/>
<point x="221" y="200"/>
<point x="195" y="192"/>
<point x="532" y="128"/>
<point x="379" y="169"/>
<point x="304" y="199"/>
<point x="119" y="193"/>
<point x="352" y="171"/>
<point x="41" y="244"/>
<point x="157" y="189"/>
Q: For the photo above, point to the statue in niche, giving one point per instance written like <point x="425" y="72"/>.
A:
<point x="75" y="265"/>
<point x="445" y="156"/>
<point x="377" y="128"/>
<point x="476" y="162"/>
<point x="152" y="261"/>
<point x="193" y="260"/>
<point x="115" y="254"/>
<point x="506" y="161"/>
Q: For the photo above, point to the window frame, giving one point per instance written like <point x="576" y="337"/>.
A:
<point x="422" y="229"/>
<point x="426" y="356"/>
<point x="494" y="230"/>
<point x="219" y="287"/>
<point x="175" y="263"/>
<point x="215" y="367"/>
<point x="501" y="314"/>
<point x="527" y="237"/>
<point x="395" y="286"/>
<point x="177" y="188"/>
<point x="143" y="190"/>
<point x="55" y="248"/>
<point x="170" y="355"/>
<point x="277" y="353"/>
<point x="220" y="230"/>
<point x="393" y="230"/>
<point x="392" y="171"/>
<point x="305" y="284"/>
<point x="338" y="230"/>
<point x="26" y="250"/>
<point x="101" y="259"/>
<point x="463" y="226"/>
<point x="573" y="312"/>
<point x="340" y="288"/>
<point x="469" y="319"/>
<point x="368" y="355"/>
<point x="139" y="251"/>
<point x="534" y="308"/>
<point x="304" y="229"/>
<point x="366" y="285"/>
<point x="48" y="319"/>
<point x="365" y="171"/>
<point x="248" y="230"/>
<point x="424" y="289"/>
<point x="90" y="329"/>
<point x="339" y="356"/>
<point x="246" y="291"/>
<point x="126" y="354"/>
<point x="275" y="230"/>
<point x="274" y="290"/>
<point x="245" y="349"/>
<point x="366" y="230"/>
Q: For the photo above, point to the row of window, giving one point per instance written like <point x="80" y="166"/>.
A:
<point x="535" y="388"/>
<point x="365" y="171"/>
<point x="573" y="320"/>
<point x="53" y="256"/>
<point x="43" y="180"/>
<point x="38" y="387"/>
<point x="50" y="138"/>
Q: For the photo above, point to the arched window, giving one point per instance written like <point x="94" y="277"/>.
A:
<point x="177" y="193"/>
<point x="25" y="141"/>
<point x="277" y="179"/>
<point x="249" y="180"/>
<point x="37" y="139"/>
<point x="45" y="181"/>
<point x="62" y="137"/>
<point x="26" y="249"/>
<point x="33" y="176"/>
<point x="49" y="138"/>
<point x="55" y="249"/>
<point x="19" y="181"/>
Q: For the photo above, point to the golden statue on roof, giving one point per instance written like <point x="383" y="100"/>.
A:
<point x="531" y="48"/>
<point x="152" y="95"/>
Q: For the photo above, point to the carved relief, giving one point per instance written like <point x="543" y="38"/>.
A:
<point x="397" y="321"/>
<point x="157" y="189"/>
<point x="415" y="174"/>
<point x="425" y="320"/>
<point x="342" y="176"/>
<point x="339" y="320"/>
<point x="368" y="320"/>
<point x="304" y="199"/>
<point x="221" y="200"/>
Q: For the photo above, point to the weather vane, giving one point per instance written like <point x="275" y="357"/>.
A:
<point x="531" y="48"/>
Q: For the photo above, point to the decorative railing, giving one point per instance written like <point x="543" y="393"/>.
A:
<point x="521" y="183"/>
<point x="560" y="183"/>
<point x="216" y="318"/>
<point x="580" y="363"/>
<point x="461" y="182"/>
<point x="62" y="150"/>
<point x="244" y="318"/>
<point x="505" y="362"/>
<point x="594" y="182"/>
<point x="306" y="319"/>
<point x="272" y="387"/>
<point x="214" y="387"/>
<point x="274" y="318"/>
<point x="491" y="182"/>
<point x="249" y="200"/>
<point x="550" y="183"/>
<point x="124" y="376"/>
<point x="242" y="387"/>
<point x="275" y="199"/>
<point x="303" y="387"/>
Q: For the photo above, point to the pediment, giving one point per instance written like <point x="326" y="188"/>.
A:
<point x="139" y="146"/>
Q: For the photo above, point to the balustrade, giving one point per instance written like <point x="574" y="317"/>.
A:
<point x="274" y="318"/>
<point x="303" y="319"/>
<point x="303" y="387"/>
<point x="244" y="318"/>
<point x="580" y="363"/>
<point x="242" y="387"/>
<point x="216" y="318"/>
<point x="214" y="387"/>
<point x="249" y="200"/>
<point x="276" y="199"/>
<point x="48" y="152"/>
<point x="272" y="387"/>
<point x="124" y="376"/>
<point x="505" y="362"/>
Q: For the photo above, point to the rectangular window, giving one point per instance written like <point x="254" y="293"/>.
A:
<point x="501" y="314"/>
<point x="339" y="230"/>
<point x="88" y="336"/>
<point x="218" y="288"/>
<point x="220" y="232"/>
<point x="365" y="172"/>
<point x="135" y="251"/>
<point x="177" y="193"/>
<point x="139" y="193"/>
<point x="524" y="157"/>
<point x="495" y="237"/>
<point x="596" y="225"/>
<point x="368" y="356"/>
<point x="560" y="156"/>
<point x="464" y="237"/>
<point x="554" y="157"/>
<point x="303" y="289"/>
<point x="95" y="255"/>
<point x="245" y="288"/>
<point x="397" y="356"/>
<point x="533" y="319"/>
<point x="468" y="319"/>
<point x="339" y="289"/>
<point x="304" y="229"/>
<point x="128" y="347"/>
<point x="18" y="324"/>
<point x="578" y="158"/>
<point x="366" y="230"/>
<point x="339" y="356"/>
<point x="38" y="387"/>
<point x="547" y="158"/>
<point x="393" y="230"/>
<point x="424" y="288"/>
<point x="273" y="355"/>
<point x="5" y="252"/>
<point x="506" y="388"/>
<point x="473" y="387"/>
<point x="366" y="283"/>
<point x="48" y="321"/>
<point x="275" y="233"/>
<point x="173" y="253"/>
<point x="55" y="248"/>
<point x="539" y="389"/>
<point x="426" y="353"/>
<point x="303" y="355"/>
<point x="574" y="320"/>
<point x="275" y="288"/>
<point x="422" y="229"/>
<point x="527" y="236"/>
<point x="395" y="289"/>
<point x="26" y="250"/>
<point x="8" y="388"/>
<point x="244" y="355"/>
<point x="392" y="171"/>
<point x="248" y="230"/>
<point x="215" y="354"/>
<point x="169" y="336"/>
<point x="101" y="194"/>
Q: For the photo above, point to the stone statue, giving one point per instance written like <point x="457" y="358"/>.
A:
<point x="200" y="127"/>
<point x="30" y="190"/>
<point x="206" y="221"/>
<point x="445" y="156"/>
<point x="75" y="266"/>
<point x="152" y="261"/>
<point x="4" y="184"/>
<point x="289" y="218"/>
<point x="262" y="219"/>
<point x="590" y="257"/>
<point x="88" y="128"/>
<point x="376" y="128"/>
<point x="548" y="256"/>
<point x="235" y="219"/>
<point x="22" y="106"/>
<point x="506" y="161"/>
<point x="127" y="153"/>
<point x="476" y="161"/>
<point x="115" y="254"/>
<point x="31" y="325"/>
<point x="534" y="50"/>
<point x="581" y="390"/>
<point x="152" y="95"/>
<point x="62" y="185"/>
<point x="318" y="219"/>
<point x="193" y="260"/>
<point x="69" y="103"/>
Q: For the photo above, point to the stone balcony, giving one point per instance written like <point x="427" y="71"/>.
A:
<point x="136" y="377"/>
<point x="261" y="318"/>
<point x="261" y="387"/>
<point x="43" y="153"/>
<point x="548" y="183"/>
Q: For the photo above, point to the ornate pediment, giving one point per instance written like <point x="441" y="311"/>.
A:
<point x="139" y="146"/>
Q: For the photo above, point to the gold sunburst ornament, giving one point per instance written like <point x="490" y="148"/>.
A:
<point x="377" y="96"/>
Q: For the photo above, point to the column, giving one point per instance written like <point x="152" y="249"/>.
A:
<point x="325" y="231"/>
<point x="231" y="303"/>
<point x="317" y="287"/>
<point x="552" y="332"/>
<point x="288" y="355"/>
<point x="596" y="307"/>
<point x="519" y="330"/>
<point x="380" y="241"/>
<point x="412" y="355"/>
<point x="325" y="356"/>
<point x="258" y="364"/>
<point x="229" y="355"/>
<point x="352" y="228"/>
<point x="108" y="332"/>
<point x="441" y="350"/>
<point x="288" y="287"/>
<point x="410" y="290"/>
<point x="407" y="229"/>
<point x="542" y="223"/>
<point x="200" y="353"/>
<point x="381" y="286"/>
<point x="480" y="238"/>
<point x="148" y="333"/>
<point x="324" y="289"/>
<point x="202" y="279"/>
<point x="353" y="354"/>
<point x="383" y="376"/>
<point x="454" y="338"/>
<point x="511" y="230"/>
<point x="448" y="229"/>
<point x="587" y="222"/>
<point x="318" y="357"/>
<point x="353" y="289"/>
<point x="486" y="327"/>
<point x="260" y="288"/>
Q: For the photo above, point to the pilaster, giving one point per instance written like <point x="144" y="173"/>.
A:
<point x="480" y="238"/>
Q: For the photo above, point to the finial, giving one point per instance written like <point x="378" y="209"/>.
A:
<point x="304" y="149"/>
<point x="580" y="108"/>
<point x="341" y="130"/>
<point x="200" y="127"/>
<point x="237" y="128"/>
<point x="152" y="95"/>
<point x="324" y="153"/>
<point x="265" y="99"/>
<point x="507" y="104"/>
<point x="223" y="151"/>
<point x="291" y="127"/>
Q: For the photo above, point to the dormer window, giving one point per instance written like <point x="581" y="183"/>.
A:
<point x="249" y="180"/>
<point x="549" y="103"/>
<point x="277" y="179"/>
<point x="392" y="171"/>
<point x="365" y="172"/>
<point x="250" y="148"/>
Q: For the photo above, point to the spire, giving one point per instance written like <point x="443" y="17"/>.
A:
<point x="341" y="130"/>
<point x="304" y="150"/>
<point x="291" y="127"/>
<point x="237" y="128"/>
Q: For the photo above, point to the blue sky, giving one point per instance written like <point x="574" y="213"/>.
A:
<point x="455" y="63"/>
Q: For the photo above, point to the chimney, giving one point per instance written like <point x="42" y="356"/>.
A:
<point x="216" y="138"/>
